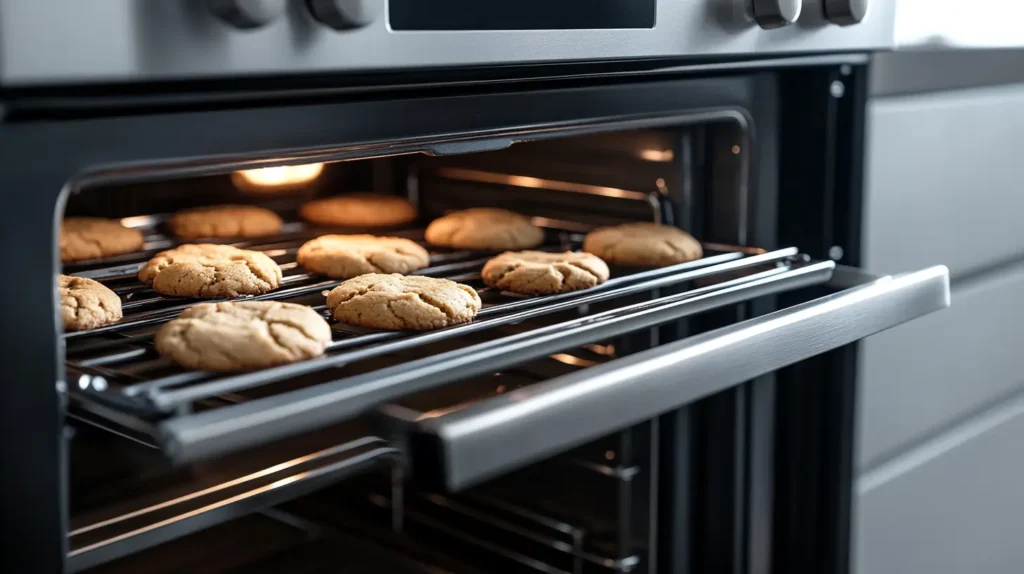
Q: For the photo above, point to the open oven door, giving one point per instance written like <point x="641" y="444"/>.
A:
<point x="465" y="446"/>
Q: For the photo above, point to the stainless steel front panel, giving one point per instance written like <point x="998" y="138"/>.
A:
<point x="56" y="41"/>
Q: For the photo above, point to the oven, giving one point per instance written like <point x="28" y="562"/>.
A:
<point x="695" y="417"/>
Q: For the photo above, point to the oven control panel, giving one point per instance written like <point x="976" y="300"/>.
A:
<point x="46" y="42"/>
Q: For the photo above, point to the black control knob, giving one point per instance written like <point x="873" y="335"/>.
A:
<point x="846" y="12"/>
<point x="775" y="13"/>
<point x="345" y="14"/>
<point x="247" y="14"/>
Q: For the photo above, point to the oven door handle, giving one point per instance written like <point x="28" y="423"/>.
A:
<point x="503" y="433"/>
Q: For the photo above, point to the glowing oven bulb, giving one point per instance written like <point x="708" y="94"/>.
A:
<point x="281" y="176"/>
<point x="656" y="154"/>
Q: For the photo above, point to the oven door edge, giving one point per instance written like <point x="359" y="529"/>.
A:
<point x="500" y="434"/>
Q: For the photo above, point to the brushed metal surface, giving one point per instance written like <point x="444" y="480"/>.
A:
<point x="70" y="41"/>
<point x="506" y="432"/>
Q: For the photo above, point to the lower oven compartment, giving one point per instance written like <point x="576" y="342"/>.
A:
<point x="275" y="542"/>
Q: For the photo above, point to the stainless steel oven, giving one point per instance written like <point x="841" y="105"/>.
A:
<point x="690" y="418"/>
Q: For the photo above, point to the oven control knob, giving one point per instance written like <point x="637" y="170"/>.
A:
<point x="846" y="12"/>
<point x="775" y="13"/>
<point x="247" y="14"/>
<point x="345" y="14"/>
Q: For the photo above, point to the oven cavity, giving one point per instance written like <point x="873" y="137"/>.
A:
<point x="336" y="457"/>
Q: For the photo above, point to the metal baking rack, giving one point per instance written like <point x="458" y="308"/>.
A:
<point x="118" y="381"/>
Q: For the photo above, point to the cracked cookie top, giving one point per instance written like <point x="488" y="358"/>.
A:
<point x="243" y="335"/>
<point x="84" y="238"/>
<point x="540" y="272"/>
<point x="484" y="228"/>
<point x="359" y="210"/>
<point x="210" y="271"/>
<point x="345" y="256"/>
<point x="86" y="304"/>
<point x="224" y="221"/>
<point x="642" y="244"/>
<point x="398" y="302"/>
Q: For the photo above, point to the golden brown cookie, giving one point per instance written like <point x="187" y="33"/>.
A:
<point x="224" y="221"/>
<point x="87" y="304"/>
<point x="540" y="272"/>
<point x="243" y="335"/>
<point x="359" y="210"/>
<point x="402" y="302"/>
<point x="642" y="244"/>
<point x="484" y="228"/>
<point x="211" y="271"/>
<point x="84" y="238"/>
<point x="345" y="256"/>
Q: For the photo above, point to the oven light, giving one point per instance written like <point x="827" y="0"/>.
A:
<point x="281" y="176"/>
<point x="572" y="360"/>
<point x="656" y="154"/>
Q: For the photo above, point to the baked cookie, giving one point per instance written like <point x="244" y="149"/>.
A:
<point x="359" y="210"/>
<point x="86" y="304"/>
<point x="642" y="244"/>
<point x="542" y="273"/>
<point x="84" y="238"/>
<point x="243" y="335"/>
<point x="484" y="228"/>
<point x="211" y="271"/>
<point x="345" y="256"/>
<point x="400" y="302"/>
<point x="224" y="221"/>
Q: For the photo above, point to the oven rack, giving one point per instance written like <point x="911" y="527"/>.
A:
<point x="143" y="306"/>
<point x="134" y="516"/>
<point x="543" y="543"/>
<point x="272" y="542"/>
<point x="140" y="516"/>
<point x="543" y="524"/>
<point x="177" y="410"/>
<point x="475" y="527"/>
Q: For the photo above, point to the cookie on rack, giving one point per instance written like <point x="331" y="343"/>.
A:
<point x="243" y="335"/>
<point x="543" y="273"/>
<point x="359" y="210"/>
<point x="224" y="221"/>
<point x="642" y="244"/>
<point x="211" y="271"/>
<point x="85" y="238"/>
<point x="347" y="256"/>
<point x="399" y="302"/>
<point x="484" y="229"/>
<point x="86" y="304"/>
